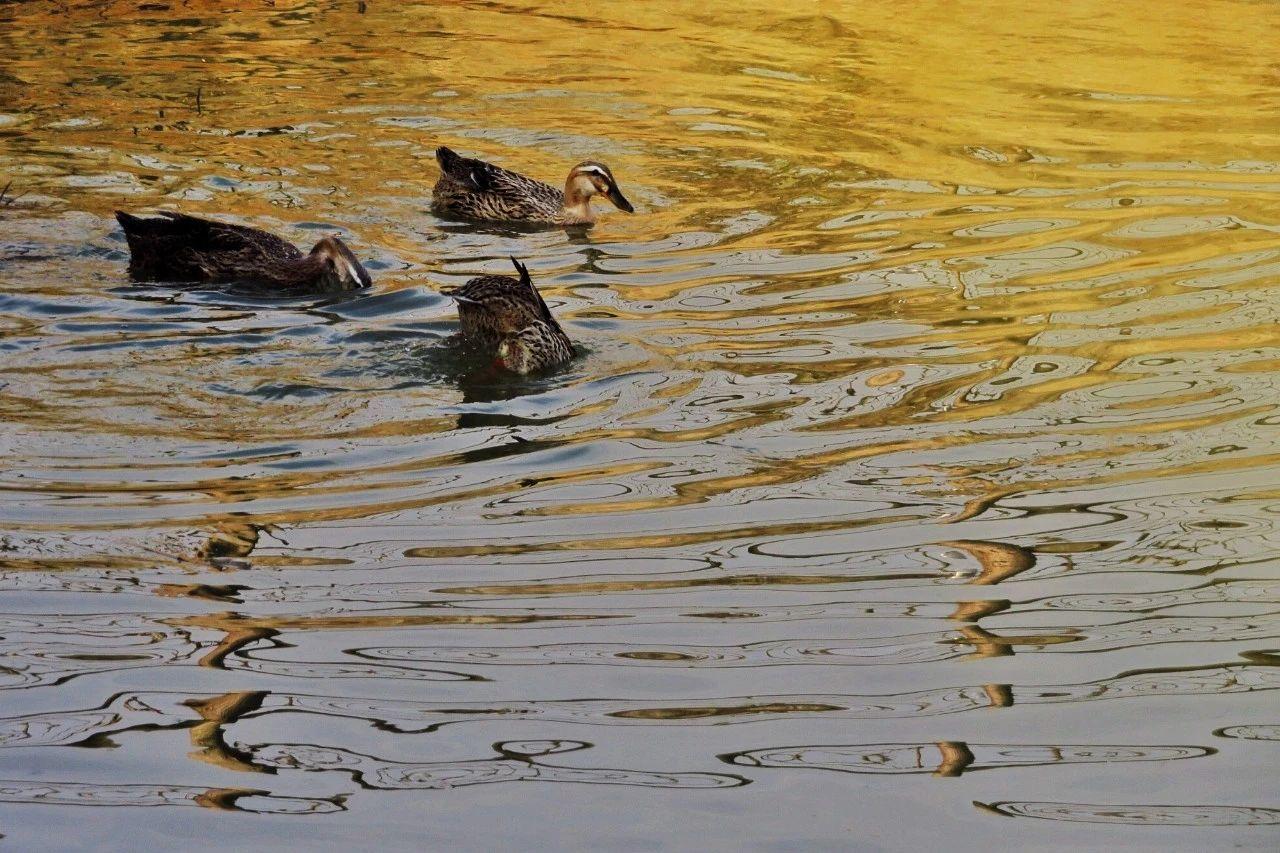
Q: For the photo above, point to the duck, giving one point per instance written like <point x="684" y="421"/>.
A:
<point x="177" y="247"/>
<point x="474" y="189"/>
<point x="507" y="317"/>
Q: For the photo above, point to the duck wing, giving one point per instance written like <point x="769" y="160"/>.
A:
<point x="178" y="246"/>
<point x="478" y="176"/>
<point x="493" y="307"/>
<point x="504" y="294"/>
<point x="208" y="235"/>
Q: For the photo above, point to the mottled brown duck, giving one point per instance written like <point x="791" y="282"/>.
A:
<point x="474" y="189"/>
<point x="508" y="318"/>
<point x="177" y="247"/>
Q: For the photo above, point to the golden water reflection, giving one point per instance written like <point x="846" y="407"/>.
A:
<point x="934" y="377"/>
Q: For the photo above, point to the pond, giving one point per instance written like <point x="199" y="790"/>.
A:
<point x="916" y="483"/>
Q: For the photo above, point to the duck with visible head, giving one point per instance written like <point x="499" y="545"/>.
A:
<point x="177" y="247"/>
<point x="474" y="189"/>
<point x="536" y="348"/>
<point x="508" y="317"/>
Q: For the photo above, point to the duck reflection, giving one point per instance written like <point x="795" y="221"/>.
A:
<point x="453" y="361"/>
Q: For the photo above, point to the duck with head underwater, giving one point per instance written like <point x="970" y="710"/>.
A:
<point x="177" y="247"/>
<point x="474" y="189"/>
<point x="508" y="318"/>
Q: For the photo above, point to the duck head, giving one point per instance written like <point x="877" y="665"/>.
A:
<point x="590" y="178"/>
<point x="513" y="355"/>
<point x="537" y="347"/>
<point x="340" y="270"/>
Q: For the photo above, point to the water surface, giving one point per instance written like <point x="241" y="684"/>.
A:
<point x="917" y="485"/>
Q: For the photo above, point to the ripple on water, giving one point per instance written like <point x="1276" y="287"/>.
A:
<point x="1139" y="815"/>
<point x="886" y="412"/>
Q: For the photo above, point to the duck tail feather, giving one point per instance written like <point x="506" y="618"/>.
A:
<point x="523" y="271"/>
<point x="128" y="221"/>
<point x="475" y="175"/>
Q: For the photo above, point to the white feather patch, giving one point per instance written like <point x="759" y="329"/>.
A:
<point x="351" y="270"/>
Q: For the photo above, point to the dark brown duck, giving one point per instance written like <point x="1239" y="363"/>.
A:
<point x="177" y="247"/>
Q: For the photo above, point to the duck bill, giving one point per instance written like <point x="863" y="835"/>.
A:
<point x="619" y="200"/>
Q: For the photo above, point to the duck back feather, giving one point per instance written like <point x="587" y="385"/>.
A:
<point x="177" y="247"/>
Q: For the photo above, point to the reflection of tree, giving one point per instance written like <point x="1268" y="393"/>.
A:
<point x="999" y="560"/>
<point x="235" y="639"/>
<point x="216" y="714"/>
<point x="972" y="611"/>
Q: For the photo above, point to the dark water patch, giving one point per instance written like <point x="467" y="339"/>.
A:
<point x="275" y="391"/>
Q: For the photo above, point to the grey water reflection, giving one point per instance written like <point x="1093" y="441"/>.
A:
<point x="926" y="406"/>
<point x="1139" y="815"/>
<point x="129" y="711"/>
<point x="106" y="794"/>
<point x="951" y="759"/>
<point x="516" y="761"/>
<point x="1251" y="732"/>
<point x="917" y="648"/>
